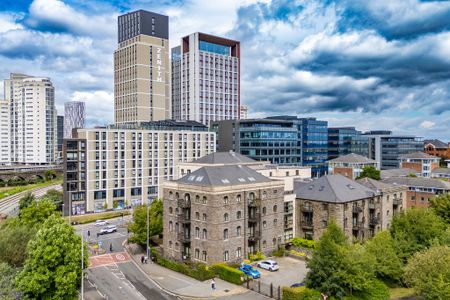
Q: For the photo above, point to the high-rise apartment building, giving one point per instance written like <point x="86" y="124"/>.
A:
<point x="345" y="140"/>
<point x="32" y="122"/>
<point x="142" y="68"/>
<point x="206" y="79"/>
<point x="59" y="133"/>
<point x="5" y="132"/>
<point x="244" y="112"/>
<point x="74" y="117"/>
<point x="123" y="165"/>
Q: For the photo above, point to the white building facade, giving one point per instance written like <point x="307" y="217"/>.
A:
<point x="74" y="117"/>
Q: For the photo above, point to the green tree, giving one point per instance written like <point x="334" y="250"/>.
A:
<point x="49" y="175"/>
<point x="370" y="172"/>
<point x="416" y="229"/>
<point x="388" y="266"/>
<point x="37" y="212"/>
<point x="14" y="238"/>
<point x="139" y="225"/>
<point x="26" y="200"/>
<point x="441" y="206"/>
<point x="55" y="196"/>
<point x="7" y="288"/>
<point x="428" y="272"/>
<point x="52" y="269"/>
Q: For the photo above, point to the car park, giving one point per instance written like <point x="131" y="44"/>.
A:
<point x="108" y="229"/>
<point x="250" y="271"/>
<point x="101" y="223"/>
<point x="270" y="265"/>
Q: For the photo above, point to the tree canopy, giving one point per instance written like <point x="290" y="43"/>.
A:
<point x="441" y="206"/>
<point x="139" y="225"/>
<point x="53" y="267"/>
<point x="14" y="238"/>
<point x="37" y="212"/>
<point x="370" y="172"/>
<point x="26" y="200"/>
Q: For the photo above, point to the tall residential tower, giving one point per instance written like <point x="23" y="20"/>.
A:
<point x="74" y="117"/>
<point x="142" y="68"/>
<point x="206" y="79"/>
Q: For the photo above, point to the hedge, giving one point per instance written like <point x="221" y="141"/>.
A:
<point x="303" y="243"/>
<point x="228" y="273"/>
<point x="300" y="293"/>
<point x="195" y="270"/>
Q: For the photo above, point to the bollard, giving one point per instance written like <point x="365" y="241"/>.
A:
<point x="248" y="284"/>
<point x="271" y="290"/>
<point x="259" y="287"/>
<point x="279" y="293"/>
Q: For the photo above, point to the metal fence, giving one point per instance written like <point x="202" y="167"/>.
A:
<point x="269" y="290"/>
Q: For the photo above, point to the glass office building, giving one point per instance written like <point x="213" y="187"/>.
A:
<point x="346" y="140"/>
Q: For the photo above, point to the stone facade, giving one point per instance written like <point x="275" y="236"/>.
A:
<point x="213" y="224"/>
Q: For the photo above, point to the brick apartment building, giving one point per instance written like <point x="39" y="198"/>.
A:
<point x="437" y="148"/>
<point x="350" y="165"/>
<point x="423" y="164"/>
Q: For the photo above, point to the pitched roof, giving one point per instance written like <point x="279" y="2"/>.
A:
<point x="333" y="188"/>
<point x="418" y="182"/>
<point x="436" y="143"/>
<point x="352" y="158"/>
<point x="396" y="172"/>
<point x="223" y="175"/>
<point x="441" y="171"/>
<point x="373" y="184"/>
<point x="228" y="157"/>
<point x="418" y="155"/>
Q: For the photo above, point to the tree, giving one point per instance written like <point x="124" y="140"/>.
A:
<point x="37" y="212"/>
<point x="428" y="272"/>
<point x="49" y="175"/>
<point x="441" y="206"/>
<point x="14" y="238"/>
<point x="26" y="200"/>
<point x="52" y="269"/>
<point x="370" y="172"/>
<point x="139" y="226"/>
<point x="388" y="266"/>
<point x="7" y="289"/>
<point x="416" y="229"/>
<point x="56" y="197"/>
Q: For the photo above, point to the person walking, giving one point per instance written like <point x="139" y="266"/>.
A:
<point x="213" y="284"/>
<point x="110" y="248"/>
<point x="142" y="259"/>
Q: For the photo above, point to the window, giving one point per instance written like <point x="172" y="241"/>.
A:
<point x="275" y="208"/>
<point x="170" y="226"/>
<point x="251" y="196"/>
<point x="238" y="198"/>
<point x="197" y="232"/>
<point x="274" y="241"/>
<point x="197" y="215"/>
<point x="225" y="234"/>
<point x="205" y="234"/>
<point x="170" y="244"/>
<point x="264" y="244"/>
<point x="264" y="211"/>
<point x="264" y="224"/>
<point x="225" y="217"/>
<point x="238" y="215"/>
<point x="238" y="231"/>
<point x="197" y="199"/>
<point x="170" y="210"/>
<point x="275" y="222"/>
<point x="226" y="256"/>
<point x="225" y="200"/>
<point x="204" y="255"/>
<point x="264" y="195"/>
<point x="204" y="217"/>
<point x="238" y="252"/>
<point x="197" y="253"/>
<point x="170" y="196"/>
<point x="204" y="200"/>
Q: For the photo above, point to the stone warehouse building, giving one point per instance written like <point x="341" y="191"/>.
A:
<point x="224" y="213"/>
<point x="360" y="211"/>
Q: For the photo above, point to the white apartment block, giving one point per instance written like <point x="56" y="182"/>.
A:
<point x="124" y="165"/>
<point x="243" y="112"/>
<point x="32" y="119"/>
<point x="5" y="144"/>
<point x="206" y="79"/>
<point x="74" y="117"/>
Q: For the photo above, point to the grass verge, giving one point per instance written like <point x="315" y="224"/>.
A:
<point x="399" y="293"/>
<point x="83" y="219"/>
<point x="21" y="188"/>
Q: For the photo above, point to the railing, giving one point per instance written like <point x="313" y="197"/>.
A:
<point x="307" y="224"/>
<point x="397" y="201"/>
<point x="357" y="209"/>
<point x="184" y="238"/>
<point x="358" y="226"/>
<point x="254" y="203"/>
<point x="253" y="237"/>
<point x="182" y="218"/>
<point x="184" y="203"/>
<point x="288" y="225"/>
<point x="254" y="217"/>
<point x="307" y="208"/>
<point x="374" y="221"/>
<point x="371" y="205"/>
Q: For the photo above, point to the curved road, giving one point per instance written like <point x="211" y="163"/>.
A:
<point x="10" y="205"/>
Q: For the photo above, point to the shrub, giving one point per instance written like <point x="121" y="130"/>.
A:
<point x="195" y="270"/>
<point x="303" y="243"/>
<point x="377" y="290"/>
<point x="256" y="256"/>
<point x="297" y="253"/>
<point x="228" y="273"/>
<point x="300" y="293"/>
<point x="279" y="252"/>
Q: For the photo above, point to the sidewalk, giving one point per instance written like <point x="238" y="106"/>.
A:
<point x="185" y="286"/>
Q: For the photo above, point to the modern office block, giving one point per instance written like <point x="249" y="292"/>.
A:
<point x="142" y="68"/>
<point x="32" y="112"/>
<point x="74" y="117"/>
<point x="59" y="133"/>
<point x="206" y="79"/>
<point x="123" y="165"/>
<point x="346" y="140"/>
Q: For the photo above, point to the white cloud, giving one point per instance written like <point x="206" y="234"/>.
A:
<point x="427" y="124"/>
<point x="98" y="106"/>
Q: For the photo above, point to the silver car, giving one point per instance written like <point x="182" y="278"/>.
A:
<point x="270" y="265"/>
<point x="108" y="229"/>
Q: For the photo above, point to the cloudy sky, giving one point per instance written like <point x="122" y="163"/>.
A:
<point x="381" y="64"/>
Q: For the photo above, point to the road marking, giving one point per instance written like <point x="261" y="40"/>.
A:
<point x="120" y="257"/>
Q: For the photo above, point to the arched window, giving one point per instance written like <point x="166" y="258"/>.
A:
<point x="204" y="200"/>
<point x="251" y="196"/>
<point x="187" y="197"/>
<point x="238" y="231"/>
<point x="225" y="234"/>
<point x="225" y="217"/>
<point x="264" y="211"/>
<point x="170" y="210"/>
<point x="238" y="215"/>
<point x="204" y="255"/>
<point x="177" y="228"/>
<point x="205" y="234"/>
<point x="204" y="217"/>
<point x="197" y="215"/>
<point x="177" y="196"/>
<point x="197" y="253"/>
<point x="264" y="195"/>
<point x="238" y="198"/>
<point x="274" y="241"/>
<point x="170" y="226"/>
<point x="170" y="244"/>
<point x="170" y="195"/>
<point x="197" y="232"/>
<point x="264" y="224"/>
<point x="264" y="244"/>
<point x="226" y="256"/>
<point x="275" y="222"/>
<point x="176" y="246"/>
<point x="225" y="200"/>
<point x="197" y="199"/>
<point x="238" y="252"/>
<point x="275" y="208"/>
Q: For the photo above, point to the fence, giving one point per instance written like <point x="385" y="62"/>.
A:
<point x="269" y="290"/>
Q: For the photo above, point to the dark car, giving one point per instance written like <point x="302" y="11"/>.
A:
<point x="298" y="284"/>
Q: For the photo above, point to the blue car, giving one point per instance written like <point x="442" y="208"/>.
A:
<point x="248" y="270"/>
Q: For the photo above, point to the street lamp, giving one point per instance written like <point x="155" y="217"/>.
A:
<point x="82" y="264"/>
<point x="148" y="230"/>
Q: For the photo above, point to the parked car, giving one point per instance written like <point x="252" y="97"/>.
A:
<point x="108" y="229"/>
<point x="270" y="265"/>
<point x="101" y="223"/>
<point x="250" y="271"/>
<point x="298" y="284"/>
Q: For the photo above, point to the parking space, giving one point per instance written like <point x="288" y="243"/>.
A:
<point x="291" y="271"/>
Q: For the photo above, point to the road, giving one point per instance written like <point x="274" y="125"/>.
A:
<point x="10" y="205"/>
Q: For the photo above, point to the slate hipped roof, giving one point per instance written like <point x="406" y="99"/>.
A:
<point x="441" y="171"/>
<point x="418" y="155"/>
<point x="396" y="172"/>
<point x="333" y="188"/>
<point x="229" y="157"/>
<point x="223" y="175"/>
<point x="418" y="182"/>
<point x="352" y="158"/>
<point x="436" y="143"/>
<point x="373" y="184"/>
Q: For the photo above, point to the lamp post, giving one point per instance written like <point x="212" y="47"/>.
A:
<point x="82" y="264"/>
<point x="148" y="230"/>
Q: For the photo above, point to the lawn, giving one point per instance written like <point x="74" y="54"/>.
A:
<point x="83" y="219"/>
<point x="8" y="191"/>
<point x="399" y="293"/>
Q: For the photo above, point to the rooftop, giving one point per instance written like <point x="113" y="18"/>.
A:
<point x="223" y="176"/>
<point x="441" y="171"/>
<point x="418" y="155"/>
<point x="162" y="125"/>
<point x="436" y="143"/>
<point x="353" y="158"/>
<point x="418" y="182"/>
<point x="333" y="188"/>
<point x="396" y="172"/>
<point x="373" y="184"/>
<point x="225" y="158"/>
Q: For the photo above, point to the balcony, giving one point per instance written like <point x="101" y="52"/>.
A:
<point x="397" y="201"/>
<point x="307" y="224"/>
<point x="307" y="208"/>
<point x="374" y="221"/>
<point x="254" y="217"/>
<point x="183" y="203"/>
<point x="358" y="226"/>
<point x="184" y="238"/>
<point x="254" y="236"/>
<point x="254" y="203"/>
<point x="288" y="226"/>
<point x="357" y="209"/>
<point x="371" y="205"/>
<point x="183" y="219"/>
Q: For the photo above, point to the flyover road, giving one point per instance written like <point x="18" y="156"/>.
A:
<point x="10" y="205"/>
